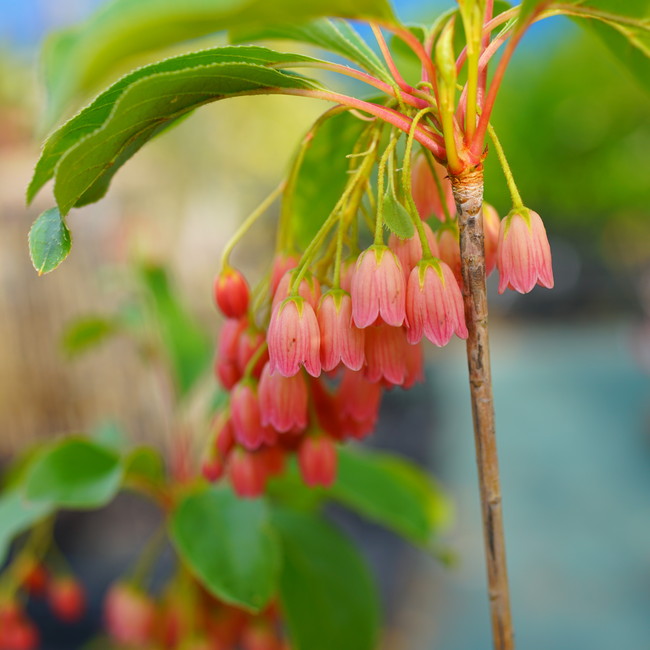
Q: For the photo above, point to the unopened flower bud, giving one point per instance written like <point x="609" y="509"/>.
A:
<point x="231" y="293"/>
<point x="246" y="474"/>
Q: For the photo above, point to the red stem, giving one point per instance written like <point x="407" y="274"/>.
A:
<point x="431" y="141"/>
<point x="388" y="57"/>
<point x="482" y="76"/>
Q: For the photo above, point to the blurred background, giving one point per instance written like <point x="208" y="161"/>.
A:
<point x="570" y="365"/>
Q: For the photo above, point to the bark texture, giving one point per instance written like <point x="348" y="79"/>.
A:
<point x="468" y="194"/>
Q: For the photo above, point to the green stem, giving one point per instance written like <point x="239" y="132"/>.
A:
<point x="406" y="182"/>
<point x="250" y="366"/>
<point x="379" y="221"/>
<point x="517" y="203"/>
<point x="248" y="222"/>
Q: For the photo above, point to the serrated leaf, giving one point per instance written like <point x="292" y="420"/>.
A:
<point x="336" y="36"/>
<point x="314" y="197"/>
<point x="74" y="473"/>
<point x="77" y="59"/>
<point x="86" y="333"/>
<point x="392" y="492"/>
<point x="327" y="594"/>
<point x="17" y="514"/>
<point x="229" y="545"/>
<point x="49" y="241"/>
<point x="100" y="112"/>
<point x="396" y="216"/>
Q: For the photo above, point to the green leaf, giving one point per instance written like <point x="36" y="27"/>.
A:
<point x="144" y="464"/>
<point x="109" y="434"/>
<point x="86" y="333"/>
<point x="77" y="59"/>
<point x="49" y="241"/>
<point x="314" y="197"/>
<point x="396" y="217"/>
<point x="326" y="591"/>
<point x="17" y="514"/>
<point x="336" y="36"/>
<point x="228" y="543"/>
<point x="74" y="473"/>
<point x="528" y="7"/>
<point x="187" y="346"/>
<point x="86" y="151"/>
<point x="392" y="492"/>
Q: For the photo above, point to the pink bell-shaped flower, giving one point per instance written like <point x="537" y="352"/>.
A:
<point x="246" y="417"/>
<point x="378" y="288"/>
<point x="294" y="338"/>
<point x="283" y="400"/>
<point x="317" y="460"/>
<point x="340" y="340"/>
<point x="434" y="304"/>
<point x="524" y="254"/>
<point x="386" y="354"/>
<point x="357" y="397"/>
<point x="246" y="473"/>
<point x="281" y="264"/>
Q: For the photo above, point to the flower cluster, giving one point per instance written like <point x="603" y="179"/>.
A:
<point x="64" y="595"/>
<point x="198" y="621"/>
<point x="313" y="377"/>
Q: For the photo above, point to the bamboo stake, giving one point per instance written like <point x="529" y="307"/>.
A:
<point x="468" y="195"/>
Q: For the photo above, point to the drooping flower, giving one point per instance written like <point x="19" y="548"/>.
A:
<point x="294" y="338"/>
<point x="409" y="251"/>
<point x="129" y="615"/>
<point x="358" y="397"/>
<point x="524" y="254"/>
<point x="434" y="304"/>
<point x="426" y="194"/>
<point x="67" y="599"/>
<point x="340" y="340"/>
<point x="317" y="460"/>
<point x="378" y="288"/>
<point x="231" y="293"/>
<point x="386" y="354"/>
<point x="246" y="417"/>
<point x="246" y="473"/>
<point x="491" y="227"/>
<point x="414" y="366"/>
<point x="283" y="400"/>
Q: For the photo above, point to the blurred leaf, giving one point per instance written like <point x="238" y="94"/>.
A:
<point x="49" y="241"/>
<point x="85" y="152"/>
<point x="336" y="36"/>
<point x="396" y="217"/>
<point x="77" y="59"/>
<point x="528" y="7"/>
<point x="228" y="543"/>
<point x="326" y="591"/>
<point x="144" y="463"/>
<point x="314" y="199"/>
<point x="392" y="492"/>
<point x="109" y="434"/>
<point x="86" y="333"/>
<point x="188" y="348"/>
<point x="74" y="473"/>
<point x="17" y="514"/>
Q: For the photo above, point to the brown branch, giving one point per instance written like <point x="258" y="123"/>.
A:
<point x="468" y="194"/>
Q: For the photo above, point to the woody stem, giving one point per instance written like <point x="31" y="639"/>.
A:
<point x="468" y="194"/>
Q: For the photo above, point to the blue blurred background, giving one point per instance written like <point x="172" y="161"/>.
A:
<point x="570" y="365"/>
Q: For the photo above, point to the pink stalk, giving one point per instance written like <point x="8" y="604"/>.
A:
<point x="431" y="141"/>
<point x="388" y="57"/>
